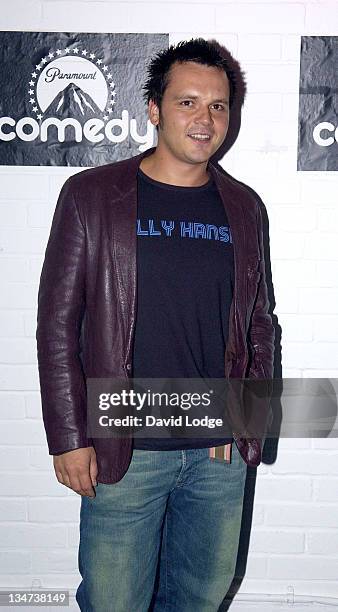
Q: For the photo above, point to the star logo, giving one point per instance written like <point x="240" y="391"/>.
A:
<point x="56" y="55"/>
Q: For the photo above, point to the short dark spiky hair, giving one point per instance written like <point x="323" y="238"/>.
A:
<point x="196" y="50"/>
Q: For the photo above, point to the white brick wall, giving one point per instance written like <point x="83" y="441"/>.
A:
<point x="294" y="536"/>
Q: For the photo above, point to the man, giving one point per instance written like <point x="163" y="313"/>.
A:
<point x="155" y="268"/>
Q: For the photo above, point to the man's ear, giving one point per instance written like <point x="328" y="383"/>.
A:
<point x="154" y="113"/>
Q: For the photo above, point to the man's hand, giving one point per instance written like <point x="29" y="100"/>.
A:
<point x="77" y="469"/>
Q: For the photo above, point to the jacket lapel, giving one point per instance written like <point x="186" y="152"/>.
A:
<point x="236" y="344"/>
<point x="124" y="246"/>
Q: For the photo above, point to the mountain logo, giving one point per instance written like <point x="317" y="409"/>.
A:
<point x="72" y="101"/>
<point x="72" y="83"/>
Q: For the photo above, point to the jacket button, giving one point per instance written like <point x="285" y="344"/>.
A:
<point x="128" y="366"/>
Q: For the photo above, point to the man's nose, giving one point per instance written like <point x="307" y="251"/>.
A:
<point x="203" y="115"/>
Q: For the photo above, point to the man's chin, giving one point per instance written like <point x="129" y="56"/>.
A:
<point x="199" y="159"/>
<point x="201" y="156"/>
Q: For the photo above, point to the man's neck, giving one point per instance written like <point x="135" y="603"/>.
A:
<point x="174" y="172"/>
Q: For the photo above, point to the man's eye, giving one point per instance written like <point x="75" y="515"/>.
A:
<point x="218" y="106"/>
<point x="186" y="102"/>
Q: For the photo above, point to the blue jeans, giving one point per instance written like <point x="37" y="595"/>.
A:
<point x="175" y="515"/>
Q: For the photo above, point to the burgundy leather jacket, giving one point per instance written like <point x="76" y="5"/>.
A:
<point x="87" y="304"/>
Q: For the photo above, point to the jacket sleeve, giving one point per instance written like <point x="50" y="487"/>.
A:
<point x="261" y="329"/>
<point x="61" y="306"/>
<point x="257" y="393"/>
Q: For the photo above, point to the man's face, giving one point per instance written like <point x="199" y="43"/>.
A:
<point x="194" y="116"/>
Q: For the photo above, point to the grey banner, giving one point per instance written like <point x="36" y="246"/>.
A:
<point x="211" y="408"/>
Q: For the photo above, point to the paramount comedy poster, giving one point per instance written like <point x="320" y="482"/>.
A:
<point x="74" y="99"/>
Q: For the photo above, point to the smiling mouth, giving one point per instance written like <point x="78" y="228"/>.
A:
<point x="200" y="137"/>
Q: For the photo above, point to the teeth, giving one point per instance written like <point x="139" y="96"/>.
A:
<point x="200" y="136"/>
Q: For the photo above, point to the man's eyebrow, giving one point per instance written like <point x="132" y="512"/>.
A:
<point x="190" y="97"/>
<point x="223" y="100"/>
<point x="185" y="95"/>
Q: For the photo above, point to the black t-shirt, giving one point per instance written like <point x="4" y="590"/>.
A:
<point x="185" y="278"/>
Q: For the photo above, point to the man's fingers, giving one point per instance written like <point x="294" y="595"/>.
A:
<point x="77" y="470"/>
<point x="81" y="484"/>
<point x="93" y="470"/>
<point x="63" y="477"/>
<point x="66" y="480"/>
<point x="59" y="476"/>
